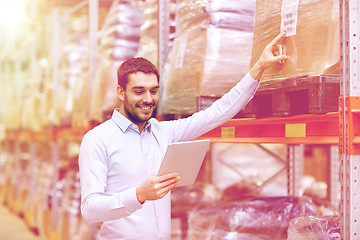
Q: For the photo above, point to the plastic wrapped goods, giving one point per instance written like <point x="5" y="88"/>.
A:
<point x="104" y="98"/>
<point x="73" y="62"/>
<point x="70" y="216"/>
<point x="211" y="52"/>
<point x="149" y="33"/>
<point x="313" y="50"/>
<point x="314" y="228"/>
<point x="262" y="218"/>
<point x="120" y="33"/>
<point x="119" y="41"/>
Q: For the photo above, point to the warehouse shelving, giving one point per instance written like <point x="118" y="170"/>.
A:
<point x="341" y="129"/>
<point x="349" y="146"/>
<point x="338" y="129"/>
<point x="301" y="129"/>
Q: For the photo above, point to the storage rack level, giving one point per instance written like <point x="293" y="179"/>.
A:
<point x="295" y="131"/>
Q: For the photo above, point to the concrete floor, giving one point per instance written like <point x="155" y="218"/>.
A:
<point x="12" y="227"/>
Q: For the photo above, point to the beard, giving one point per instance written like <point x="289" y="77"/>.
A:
<point x="136" y="117"/>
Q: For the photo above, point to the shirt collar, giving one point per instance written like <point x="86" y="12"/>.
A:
<point x="123" y="123"/>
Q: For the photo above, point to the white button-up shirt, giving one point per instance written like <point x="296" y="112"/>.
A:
<point x="115" y="158"/>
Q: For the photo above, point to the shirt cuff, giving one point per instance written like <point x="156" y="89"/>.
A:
<point x="248" y="84"/>
<point x="128" y="200"/>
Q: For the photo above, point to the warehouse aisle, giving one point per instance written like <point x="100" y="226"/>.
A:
<point x="13" y="227"/>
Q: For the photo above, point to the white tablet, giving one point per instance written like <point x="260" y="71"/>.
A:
<point x="185" y="158"/>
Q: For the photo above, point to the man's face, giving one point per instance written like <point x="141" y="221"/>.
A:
<point x="140" y="98"/>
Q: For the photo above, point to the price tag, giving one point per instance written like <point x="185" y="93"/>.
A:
<point x="289" y="14"/>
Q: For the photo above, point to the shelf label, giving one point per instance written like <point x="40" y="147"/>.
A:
<point x="295" y="130"/>
<point x="228" y="132"/>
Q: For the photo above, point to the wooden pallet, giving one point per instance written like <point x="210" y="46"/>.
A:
<point x="293" y="96"/>
<point x="287" y="97"/>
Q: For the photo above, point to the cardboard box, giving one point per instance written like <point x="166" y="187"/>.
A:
<point x="314" y="50"/>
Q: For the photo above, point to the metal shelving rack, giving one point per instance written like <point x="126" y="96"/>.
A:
<point x="341" y="129"/>
<point x="349" y="105"/>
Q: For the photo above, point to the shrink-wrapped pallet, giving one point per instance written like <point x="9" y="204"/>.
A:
<point x="314" y="228"/>
<point x="118" y="41"/>
<point x="80" y="98"/>
<point x="74" y="55"/>
<point x="149" y="31"/>
<point x="261" y="218"/>
<point x="11" y="116"/>
<point x="70" y="216"/>
<point x="211" y="52"/>
<point x="315" y="47"/>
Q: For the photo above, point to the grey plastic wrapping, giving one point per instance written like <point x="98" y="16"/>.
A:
<point x="313" y="50"/>
<point x="211" y="52"/>
<point x="264" y="218"/>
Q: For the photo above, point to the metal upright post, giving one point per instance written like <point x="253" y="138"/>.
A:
<point x="56" y="53"/>
<point x="93" y="43"/>
<point x="295" y="170"/>
<point x="334" y="180"/>
<point x="164" y="32"/>
<point x="54" y="200"/>
<point x="349" y="112"/>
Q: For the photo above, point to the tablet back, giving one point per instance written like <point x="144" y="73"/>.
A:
<point x="185" y="158"/>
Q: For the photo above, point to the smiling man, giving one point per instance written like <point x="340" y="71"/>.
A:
<point x="139" y="91"/>
<point x="119" y="159"/>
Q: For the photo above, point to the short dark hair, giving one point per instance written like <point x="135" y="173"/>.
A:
<point x="133" y="65"/>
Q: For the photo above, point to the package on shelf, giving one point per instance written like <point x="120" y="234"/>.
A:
<point x="313" y="50"/>
<point x="37" y="103"/>
<point x="149" y="30"/>
<point x="34" y="115"/>
<point x="252" y="218"/>
<point x="73" y="61"/>
<point x="25" y="102"/>
<point x="80" y="109"/>
<point x="34" y="205"/>
<point x="70" y="218"/>
<point x="119" y="41"/>
<point x="105" y="97"/>
<point x="310" y="227"/>
<point x="184" y="199"/>
<point x="211" y="52"/>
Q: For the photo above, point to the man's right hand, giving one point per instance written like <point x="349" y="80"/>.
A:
<point x="268" y="57"/>
<point x="156" y="187"/>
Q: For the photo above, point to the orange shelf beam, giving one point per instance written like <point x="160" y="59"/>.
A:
<point x="304" y="129"/>
<point x="301" y="129"/>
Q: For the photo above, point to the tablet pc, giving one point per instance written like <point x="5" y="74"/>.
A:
<point x="185" y="158"/>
